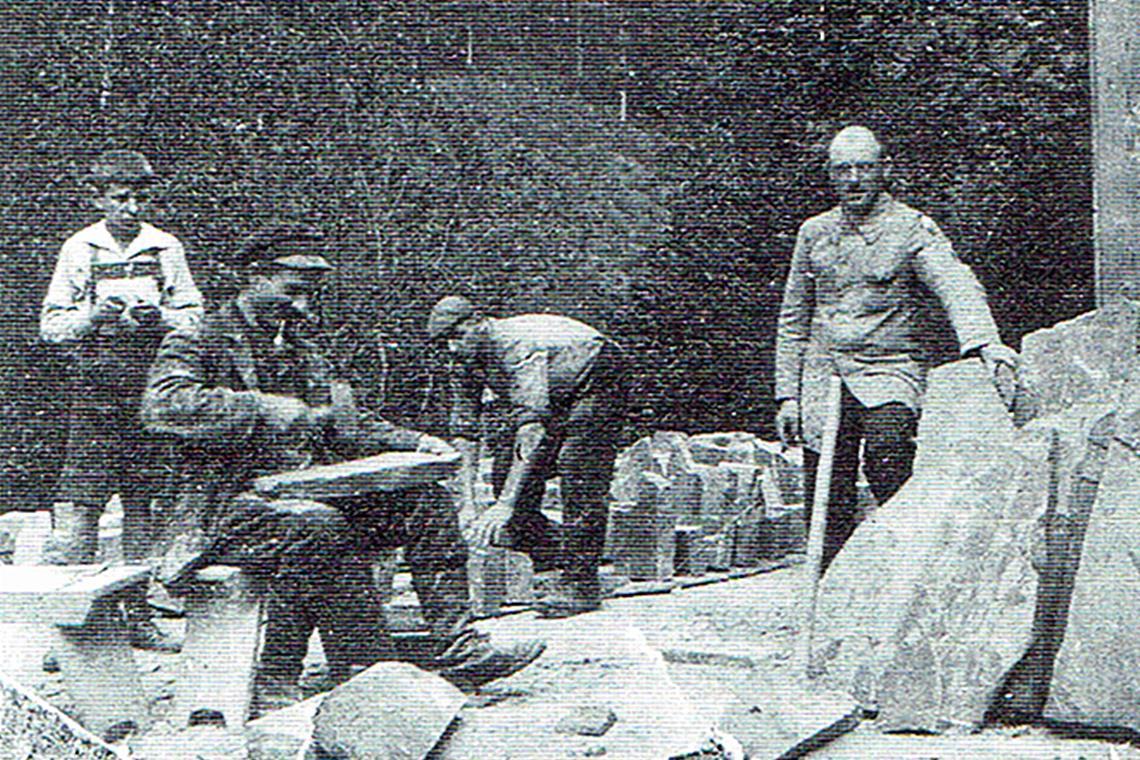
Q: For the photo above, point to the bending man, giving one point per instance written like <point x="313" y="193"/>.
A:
<point x="563" y="381"/>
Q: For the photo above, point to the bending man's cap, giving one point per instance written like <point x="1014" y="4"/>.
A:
<point x="285" y="244"/>
<point x="127" y="167"/>
<point x="446" y="314"/>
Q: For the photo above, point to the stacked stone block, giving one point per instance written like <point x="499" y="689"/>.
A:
<point x="688" y="504"/>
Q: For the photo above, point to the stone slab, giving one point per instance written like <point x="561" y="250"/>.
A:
<point x="32" y="728"/>
<point x="100" y="673"/>
<point x="1077" y="439"/>
<point x="282" y="734"/>
<point x="746" y="538"/>
<point x="1096" y="674"/>
<point x="391" y="710"/>
<point x="587" y="720"/>
<point x="23" y="536"/>
<point x="689" y="558"/>
<point x="391" y="471"/>
<point x="714" y="448"/>
<point x="61" y="595"/>
<point x="645" y="545"/>
<point x="628" y="466"/>
<point x="932" y="599"/>
<point x="1085" y="358"/>
<point x="781" y="533"/>
<point x="584" y="665"/>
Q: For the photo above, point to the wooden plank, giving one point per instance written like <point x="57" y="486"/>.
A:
<point x="1115" y="58"/>
<point x="391" y="471"/>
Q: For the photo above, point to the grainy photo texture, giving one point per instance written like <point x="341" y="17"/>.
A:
<point x="526" y="379"/>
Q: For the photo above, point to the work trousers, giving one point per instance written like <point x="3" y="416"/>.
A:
<point x="317" y="561"/>
<point x="108" y="451"/>
<point x="887" y="434"/>
<point x="580" y="446"/>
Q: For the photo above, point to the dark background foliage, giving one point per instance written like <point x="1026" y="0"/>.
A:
<point x="478" y="147"/>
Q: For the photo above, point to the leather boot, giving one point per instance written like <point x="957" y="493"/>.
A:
<point x="472" y="660"/>
<point x="566" y="597"/>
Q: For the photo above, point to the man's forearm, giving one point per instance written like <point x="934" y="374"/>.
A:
<point x="528" y="438"/>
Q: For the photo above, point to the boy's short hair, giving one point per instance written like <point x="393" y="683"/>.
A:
<point x="127" y="167"/>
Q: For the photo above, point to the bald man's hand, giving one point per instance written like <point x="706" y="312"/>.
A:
<point x="1001" y="365"/>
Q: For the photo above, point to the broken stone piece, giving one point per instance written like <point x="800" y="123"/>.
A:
<point x="391" y="710"/>
<point x="1085" y="358"/>
<point x="33" y="728"/>
<point x="587" y="720"/>
<point x="777" y="719"/>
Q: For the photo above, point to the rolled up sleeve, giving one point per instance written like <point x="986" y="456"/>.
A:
<point x="181" y="300"/>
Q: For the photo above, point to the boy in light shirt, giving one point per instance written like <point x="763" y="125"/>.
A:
<point x="120" y="285"/>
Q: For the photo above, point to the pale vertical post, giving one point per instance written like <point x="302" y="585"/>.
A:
<point x="1115" y="62"/>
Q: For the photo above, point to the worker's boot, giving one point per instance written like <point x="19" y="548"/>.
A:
<point x="568" y="596"/>
<point x="468" y="659"/>
<point x="472" y="660"/>
<point x="273" y="692"/>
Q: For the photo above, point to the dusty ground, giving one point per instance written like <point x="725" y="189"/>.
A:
<point x="718" y="638"/>
<point x="714" y="642"/>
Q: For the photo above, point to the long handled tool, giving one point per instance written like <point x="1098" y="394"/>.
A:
<point x="818" y="528"/>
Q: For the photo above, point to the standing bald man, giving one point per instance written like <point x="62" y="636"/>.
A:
<point x="863" y="278"/>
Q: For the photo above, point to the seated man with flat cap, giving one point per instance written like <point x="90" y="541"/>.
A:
<point x="249" y="396"/>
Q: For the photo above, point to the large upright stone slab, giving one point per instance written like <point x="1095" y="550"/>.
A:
<point x="1096" y="675"/>
<point x="932" y="599"/>
<point x="223" y="631"/>
<point x="628" y="467"/>
<point x="1077" y="439"/>
<point x="392" y="710"/>
<point x="645" y="546"/>
<point x="1086" y="358"/>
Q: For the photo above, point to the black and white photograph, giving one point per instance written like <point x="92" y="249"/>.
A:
<point x="541" y="379"/>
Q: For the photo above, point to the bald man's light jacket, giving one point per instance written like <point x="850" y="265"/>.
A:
<point x="861" y="301"/>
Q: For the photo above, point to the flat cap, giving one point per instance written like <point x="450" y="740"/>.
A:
<point x="446" y="314"/>
<point x="286" y="244"/>
<point x="124" y="166"/>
